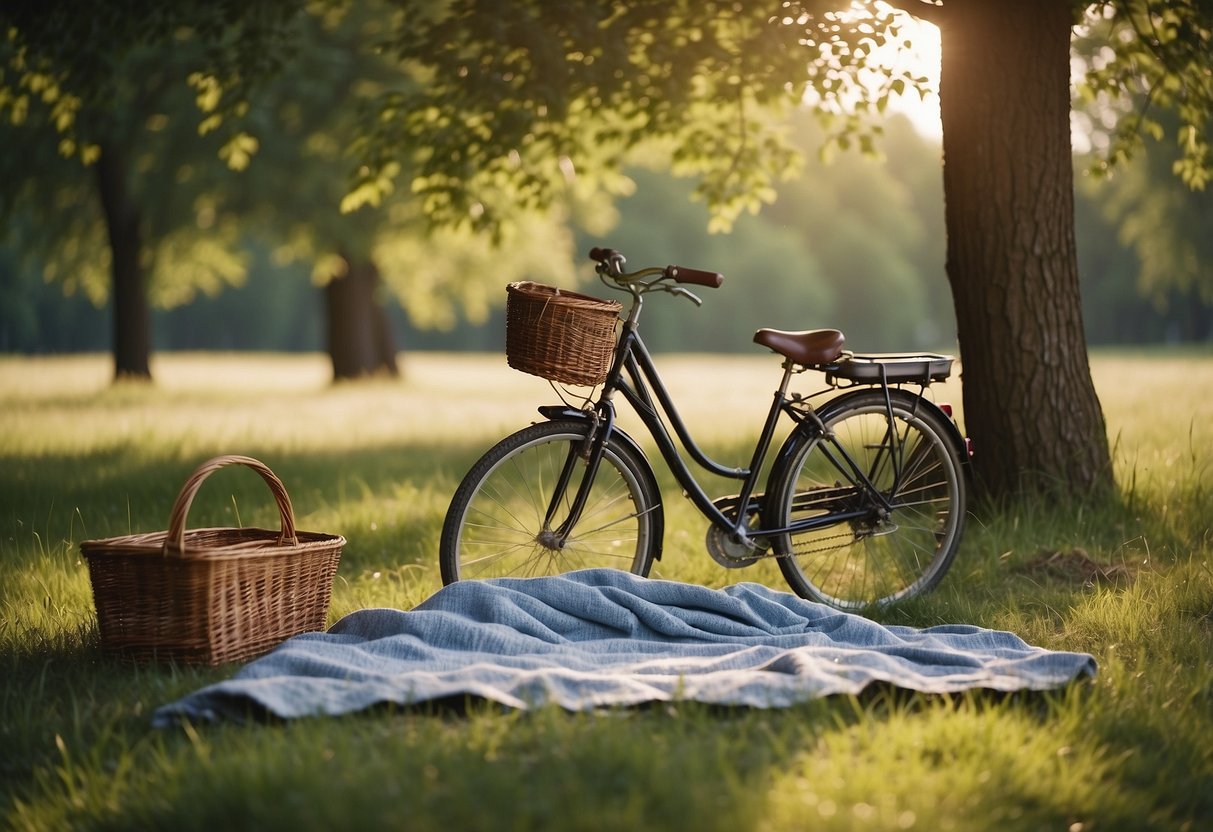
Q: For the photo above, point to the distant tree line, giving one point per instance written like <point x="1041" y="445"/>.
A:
<point x="855" y="243"/>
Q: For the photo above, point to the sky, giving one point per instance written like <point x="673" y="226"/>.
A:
<point x="922" y="59"/>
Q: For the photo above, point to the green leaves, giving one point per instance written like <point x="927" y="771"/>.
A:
<point x="76" y="72"/>
<point x="1193" y="166"/>
<point x="238" y="151"/>
<point x="514" y="87"/>
<point x="371" y="189"/>
<point x="1144" y="57"/>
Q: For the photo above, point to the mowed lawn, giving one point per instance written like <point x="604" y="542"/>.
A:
<point x="1130" y="582"/>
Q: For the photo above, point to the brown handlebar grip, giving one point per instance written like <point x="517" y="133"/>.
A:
<point x="682" y="274"/>
<point x="601" y="255"/>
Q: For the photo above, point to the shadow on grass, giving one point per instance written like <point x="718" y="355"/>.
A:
<point x="460" y="764"/>
<point x="62" y="697"/>
<point x="80" y="752"/>
<point x="78" y="749"/>
<point x="123" y="491"/>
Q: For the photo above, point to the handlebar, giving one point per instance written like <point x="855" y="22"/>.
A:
<point x="601" y="255"/>
<point x="611" y="263"/>
<point x="681" y="274"/>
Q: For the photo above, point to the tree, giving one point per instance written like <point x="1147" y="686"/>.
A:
<point x="1012" y="258"/>
<point x="1009" y="196"/>
<point x="305" y="120"/>
<point x="524" y="93"/>
<point x="123" y="102"/>
<point x="132" y="240"/>
<point x="89" y="80"/>
<point x="308" y="119"/>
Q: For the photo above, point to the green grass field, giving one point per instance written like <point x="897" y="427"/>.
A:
<point x="1131" y="583"/>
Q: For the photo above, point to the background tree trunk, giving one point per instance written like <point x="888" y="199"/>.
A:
<point x="1011" y="255"/>
<point x="128" y="296"/>
<point x="360" y="341"/>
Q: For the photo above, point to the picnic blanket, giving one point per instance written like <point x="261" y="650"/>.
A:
<point x="602" y="638"/>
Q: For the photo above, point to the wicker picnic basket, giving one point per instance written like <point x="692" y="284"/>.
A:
<point x="559" y="335"/>
<point x="210" y="596"/>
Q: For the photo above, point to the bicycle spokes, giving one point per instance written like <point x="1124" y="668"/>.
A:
<point x="900" y="523"/>
<point x="518" y="512"/>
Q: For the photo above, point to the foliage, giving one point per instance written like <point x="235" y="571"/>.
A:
<point x="794" y="264"/>
<point x="1150" y="58"/>
<point x="854" y="243"/>
<point x="158" y="87"/>
<point x="311" y="119"/>
<point x="1165" y="225"/>
<point x="84" y="459"/>
<point x="531" y="99"/>
<point x="68" y="68"/>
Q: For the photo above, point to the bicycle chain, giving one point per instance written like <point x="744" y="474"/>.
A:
<point x="803" y="552"/>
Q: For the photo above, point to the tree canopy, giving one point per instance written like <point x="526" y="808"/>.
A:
<point x="72" y="62"/>
<point x="525" y="99"/>
<point x="1143" y="60"/>
<point x="530" y="94"/>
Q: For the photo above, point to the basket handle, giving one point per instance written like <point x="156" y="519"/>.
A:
<point x="174" y="540"/>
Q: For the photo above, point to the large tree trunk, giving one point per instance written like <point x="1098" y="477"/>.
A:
<point x="360" y="339"/>
<point x="132" y="315"/>
<point x="1029" y="402"/>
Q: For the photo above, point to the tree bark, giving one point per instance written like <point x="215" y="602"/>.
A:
<point x="128" y="296"/>
<point x="360" y="341"/>
<point x="1029" y="401"/>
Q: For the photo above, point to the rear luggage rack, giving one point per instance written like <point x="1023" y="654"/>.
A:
<point x="890" y="368"/>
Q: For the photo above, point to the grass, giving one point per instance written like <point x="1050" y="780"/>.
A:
<point x="1131" y="583"/>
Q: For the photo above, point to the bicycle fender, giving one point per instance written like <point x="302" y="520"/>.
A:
<point x="556" y="412"/>
<point x="954" y="436"/>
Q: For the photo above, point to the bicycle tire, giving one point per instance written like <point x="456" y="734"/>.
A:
<point x="494" y="525"/>
<point x="871" y="560"/>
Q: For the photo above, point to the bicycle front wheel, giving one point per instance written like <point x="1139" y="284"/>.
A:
<point x="495" y="526"/>
<point x="880" y="553"/>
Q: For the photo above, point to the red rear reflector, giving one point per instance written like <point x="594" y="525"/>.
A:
<point x="946" y="408"/>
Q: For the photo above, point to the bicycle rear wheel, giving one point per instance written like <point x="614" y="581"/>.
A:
<point x="877" y="556"/>
<point x="495" y="524"/>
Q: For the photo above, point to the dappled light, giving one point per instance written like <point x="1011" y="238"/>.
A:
<point x="378" y="463"/>
<point x="284" y="229"/>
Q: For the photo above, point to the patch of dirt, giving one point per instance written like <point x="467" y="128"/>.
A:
<point x="1076" y="566"/>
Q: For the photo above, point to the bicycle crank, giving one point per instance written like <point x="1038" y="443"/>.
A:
<point x="730" y="551"/>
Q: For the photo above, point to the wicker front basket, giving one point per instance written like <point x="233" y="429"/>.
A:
<point x="559" y="335"/>
<point x="211" y="596"/>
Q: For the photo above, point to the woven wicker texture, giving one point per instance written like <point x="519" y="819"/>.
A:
<point x="211" y="596"/>
<point x="559" y="335"/>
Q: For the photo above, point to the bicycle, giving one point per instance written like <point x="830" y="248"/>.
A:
<point x="864" y="503"/>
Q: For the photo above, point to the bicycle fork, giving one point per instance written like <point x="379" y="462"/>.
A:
<point x="589" y="451"/>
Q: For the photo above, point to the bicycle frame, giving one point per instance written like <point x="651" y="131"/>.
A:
<point x="643" y="382"/>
